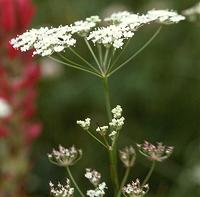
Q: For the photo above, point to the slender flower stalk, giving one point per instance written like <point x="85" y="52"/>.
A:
<point x="74" y="182"/>
<point x="149" y="173"/>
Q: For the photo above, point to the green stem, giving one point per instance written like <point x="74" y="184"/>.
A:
<point x="93" y="136"/>
<point x="136" y="53"/>
<point x="74" y="182"/>
<point x="84" y="60"/>
<point x="149" y="173"/>
<point x="121" y="53"/>
<point x="76" y="67"/>
<point x="93" y="55"/>
<point x="123" y="181"/>
<point x="106" y="59"/>
<point x="113" y="151"/>
<point x="107" y="98"/>
<point x="99" y="47"/>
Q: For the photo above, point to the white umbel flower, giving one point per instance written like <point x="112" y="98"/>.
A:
<point x="61" y="190"/>
<point x="82" y="27"/>
<point x="135" y="189"/>
<point x="5" y="108"/>
<point x="45" y="41"/>
<point x="113" y="35"/>
<point x="98" y="191"/>
<point x="85" y="124"/>
<point x="65" y="156"/>
<point x="165" y="16"/>
<point x="93" y="176"/>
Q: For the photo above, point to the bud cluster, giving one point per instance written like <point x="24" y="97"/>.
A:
<point x="102" y="130"/>
<point x="65" y="157"/>
<point x="85" y="124"/>
<point x="157" y="152"/>
<point x="128" y="156"/>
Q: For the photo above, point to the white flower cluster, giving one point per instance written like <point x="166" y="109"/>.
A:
<point x="124" y="24"/>
<point x="61" y="190"/>
<point x="93" y="176"/>
<point x="117" y="111"/>
<point x="64" y="156"/>
<point x="5" y="108"/>
<point x="102" y="130"/>
<point x="117" y="121"/>
<point x="45" y="40"/>
<point x="84" y="26"/>
<point x="85" y="124"/>
<point x="165" y="16"/>
<point x="135" y="189"/>
<point x="111" y="35"/>
<point x="193" y="13"/>
<point x="99" y="191"/>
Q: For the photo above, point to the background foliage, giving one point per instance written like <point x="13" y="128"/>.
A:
<point x="159" y="92"/>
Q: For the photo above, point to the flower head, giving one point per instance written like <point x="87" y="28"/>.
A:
<point x="128" y="156"/>
<point x="135" y="189"/>
<point x="122" y="26"/>
<point x="45" y="40"/>
<point x="82" y="27"/>
<point x="113" y="35"/>
<point x="65" y="157"/>
<point x="93" y="176"/>
<point x="157" y="152"/>
<point x="165" y="16"/>
<point x="85" y="124"/>
<point x="62" y="190"/>
<point x="99" y="191"/>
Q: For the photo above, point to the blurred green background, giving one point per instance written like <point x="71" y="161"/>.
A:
<point x="159" y="92"/>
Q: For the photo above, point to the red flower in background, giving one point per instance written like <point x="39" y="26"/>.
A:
<point x="18" y="81"/>
<point x="15" y="17"/>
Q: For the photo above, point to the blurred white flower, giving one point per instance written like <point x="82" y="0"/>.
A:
<point x="50" y="68"/>
<point x="193" y="13"/>
<point x="5" y="108"/>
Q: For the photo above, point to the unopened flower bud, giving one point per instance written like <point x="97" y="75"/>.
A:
<point x="85" y="124"/>
<point x="102" y="130"/>
<point x="128" y="156"/>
